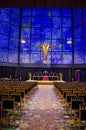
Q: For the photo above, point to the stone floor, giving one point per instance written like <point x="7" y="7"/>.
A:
<point x="43" y="110"/>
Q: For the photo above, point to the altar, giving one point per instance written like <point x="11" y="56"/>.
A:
<point x="45" y="77"/>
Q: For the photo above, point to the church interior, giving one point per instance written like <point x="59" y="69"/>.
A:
<point x="43" y="65"/>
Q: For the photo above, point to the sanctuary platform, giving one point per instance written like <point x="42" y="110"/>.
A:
<point x="46" y="81"/>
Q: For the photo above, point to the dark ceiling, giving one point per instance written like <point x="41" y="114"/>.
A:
<point x="43" y="3"/>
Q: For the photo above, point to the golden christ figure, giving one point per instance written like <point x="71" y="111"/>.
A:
<point x="45" y="48"/>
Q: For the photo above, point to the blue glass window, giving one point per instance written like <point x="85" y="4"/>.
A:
<point x="66" y="22"/>
<point x="57" y="45"/>
<point x="45" y="41"/>
<point x="26" y="11"/>
<point x="36" y="12"/>
<point x="25" y="46"/>
<point x="15" y="19"/>
<point x="85" y="17"/>
<point x="56" y="11"/>
<point x="34" y="45"/>
<point x="35" y="33"/>
<point x="5" y="15"/>
<point x="13" y="44"/>
<point x="77" y="11"/>
<point x="13" y="56"/>
<point x="78" y="57"/>
<point x="46" y="33"/>
<point x="56" y="57"/>
<point x="56" y="33"/>
<point x="56" y="21"/>
<point x="4" y="28"/>
<point x="36" y="21"/>
<point x="16" y="10"/>
<point x="3" y="42"/>
<point x="46" y="12"/>
<point x="25" y="33"/>
<point x="84" y="42"/>
<point x="66" y="11"/>
<point x="84" y="29"/>
<point x="66" y="45"/>
<point x="66" y="57"/>
<point x="78" y="32"/>
<point x="26" y="22"/>
<point x="14" y="31"/>
<point x="24" y="57"/>
<point x="35" y="57"/>
<point x="78" y="20"/>
<point x="46" y="21"/>
<point x="3" y="55"/>
<point x="85" y="56"/>
<point x="78" y="44"/>
<point x="66" y="33"/>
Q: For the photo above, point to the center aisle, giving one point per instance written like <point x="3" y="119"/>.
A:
<point x="43" y="110"/>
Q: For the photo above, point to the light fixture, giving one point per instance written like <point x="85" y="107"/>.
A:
<point x="69" y="40"/>
<point x="23" y="40"/>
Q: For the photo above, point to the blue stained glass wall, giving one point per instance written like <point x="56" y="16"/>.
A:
<point x="55" y="26"/>
<point x="79" y="35"/>
<point x="46" y="25"/>
<point x="9" y="34"/>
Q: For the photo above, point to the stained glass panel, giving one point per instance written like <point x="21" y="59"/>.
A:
<point x="36" y="21"/>
<point x="78" y="57"/>
<point x="14" y="31"/>
<point x="35" y="57"/>
<point x="56" y="11"/>
<point x="13" y="56"/>
<point x="26" y="22"/>
<point x="56" y="58"/>
<point x="5" y="15"/>
<point x="66" y="11"/>
<point x="46" y="12"/>
<point x="66" y="21"/>
<point x="25" y="33"/>
<point x="24" y="57"/>
<point x="66" y="57"/>
<point x="56" y="33"/>
<point x="78" y="32"/>
<point x="26" y="11"/>
<point x="3" y="55"/>
<point x="46" y="33"/>
<point x="78" y="44"/>
<point x="56" y="21"/>
<point x="57" y="45"/>
<point x="66" y="33"/>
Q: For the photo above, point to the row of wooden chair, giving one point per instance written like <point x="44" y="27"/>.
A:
<point x="74" y="97"/>
<point x="13" y="94"/>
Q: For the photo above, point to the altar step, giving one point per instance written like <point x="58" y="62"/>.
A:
<point x="45" y="82"/>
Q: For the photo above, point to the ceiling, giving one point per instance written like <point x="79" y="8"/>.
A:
<point x="43" y="3"/>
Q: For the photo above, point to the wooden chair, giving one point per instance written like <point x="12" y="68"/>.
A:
<point x="17" y="98"/>
<point x="69" y="96"/>
<point x="82" y="114"/>
<point x="0" y="114"/>
<point x="82" y="95"/>
<point x="75" y="102"/>
<point x="8" y="109"/>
